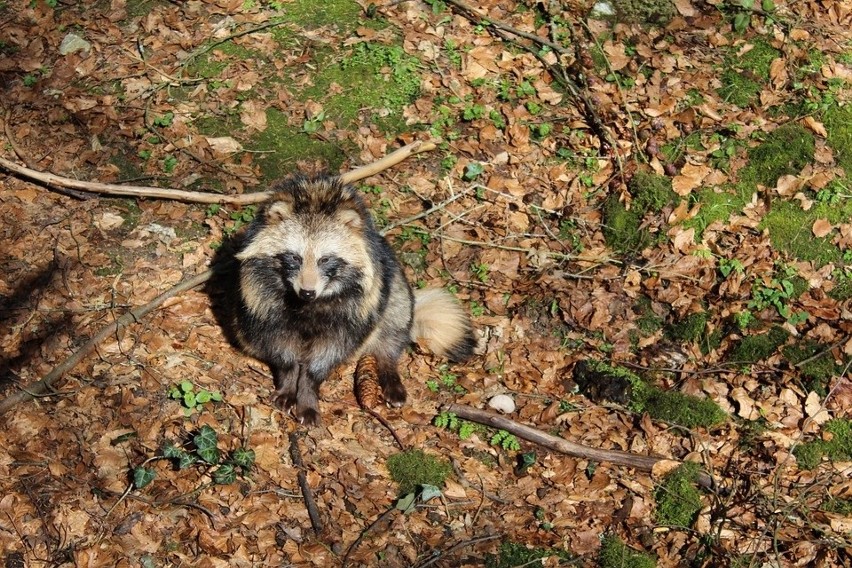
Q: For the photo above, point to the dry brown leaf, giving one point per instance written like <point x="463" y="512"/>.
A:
<point x="664" y="467"/>
<point x="689" y="178"/>
<point x="822" y="227"/>
<point x="815" y="126"/>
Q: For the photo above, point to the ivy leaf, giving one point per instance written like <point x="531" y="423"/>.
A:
<point x="406" y="503"/>
<point x="225" y="474"/>
<point x="205" y="444"/>
<point x="243" y="457"/>
<point x="142" y="476"/>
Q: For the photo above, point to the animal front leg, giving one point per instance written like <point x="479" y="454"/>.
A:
<point x="306" y="409"/>
<point x="286" y="379"/>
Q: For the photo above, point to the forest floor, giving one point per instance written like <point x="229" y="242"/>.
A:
<point x="690" y="223"/>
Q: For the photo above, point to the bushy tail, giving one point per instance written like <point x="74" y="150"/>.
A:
<point x="442" y="324"/>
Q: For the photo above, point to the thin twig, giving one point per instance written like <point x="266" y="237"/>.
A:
<point x="307" y="494"/>
<point x="387" y="425"/>
<point x="440" y="553"/>
<point x="364" y="533"/>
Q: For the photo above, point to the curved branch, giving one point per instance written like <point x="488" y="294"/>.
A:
<point x="53" y="180"/>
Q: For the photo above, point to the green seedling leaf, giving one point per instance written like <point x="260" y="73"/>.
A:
<point x="189" y="400"/>
<point x="472" y="171"/>
<point x="203" y="397"/>
<point x="142" y="476"/>
<point x="186" y="386"/>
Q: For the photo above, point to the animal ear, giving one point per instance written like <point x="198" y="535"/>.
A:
<point x="349" y="214"/>
<point x="280" y="208"/>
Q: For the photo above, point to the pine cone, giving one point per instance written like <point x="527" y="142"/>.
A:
<point x="368" y="393"/>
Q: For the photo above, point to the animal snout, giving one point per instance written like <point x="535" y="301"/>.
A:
<point x="307" y="294"/>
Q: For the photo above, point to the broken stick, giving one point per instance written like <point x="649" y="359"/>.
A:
<point x="618" y="457"/>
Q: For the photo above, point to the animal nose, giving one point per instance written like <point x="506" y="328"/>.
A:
<point x="307" y="294"/>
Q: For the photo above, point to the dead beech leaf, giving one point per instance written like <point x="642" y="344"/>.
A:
<point x="253" y="115"/>
<point x="815" y="126"/>
<point x="663" y="467"/>
<point x="689" y="178"/>
<point x="778" y="72"/>
<point x="822" y="228"/>
<point x="804" y="201"/>
<point x="788" y="185"/>
<point x="683" y="241"/>
<point x="223" y="144"/>
<point x="815" y="409"/>
<point x="839" y="524"/>
<point x="685" y="8"/>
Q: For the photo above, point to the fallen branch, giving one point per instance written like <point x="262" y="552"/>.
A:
<point x="617" y="457"/>
<point x="53" y="180"/>
<point x="44" y="385"/>
<point x="307" y="494"/>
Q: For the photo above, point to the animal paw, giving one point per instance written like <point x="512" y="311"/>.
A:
<point x="307" y="416"/>
<point x="284" y="400"/>
<point x="394" y="394"/>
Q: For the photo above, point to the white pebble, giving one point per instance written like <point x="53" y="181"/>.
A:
<point x="502" y="403"/>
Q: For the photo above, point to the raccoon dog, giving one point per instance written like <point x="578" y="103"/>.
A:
<point x="318" y="284"/>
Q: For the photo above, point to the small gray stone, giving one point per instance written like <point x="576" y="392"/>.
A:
<point x="73" y="43"/>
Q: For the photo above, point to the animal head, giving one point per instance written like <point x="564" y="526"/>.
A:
<point x="310" y="239"/>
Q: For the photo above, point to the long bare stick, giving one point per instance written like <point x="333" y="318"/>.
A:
<point x="54" y="180"/>
<point x="42" y="386"/>
<point x="307" y="494"/>
<point x="618" y="457"/>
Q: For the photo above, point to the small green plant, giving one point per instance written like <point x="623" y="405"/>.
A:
<point x="193" y="399"/>
<point x="472" y="171"/>
<point x="541" y="130"/>
<point x="414" y="468"/>
<point x="678" y="498"/>
<point x="473" y="112"/>
<point x="776" y="293"/>
<point x="241" y="218"/>
<point x="515" y="555"/>
<point x="313" y="124"/>
<point x="204" y="453"/>
<point x="730" y="265"/>
<point x="169" y="164"/>
<point x="165" y="120"/>
<point x="30" y="79"/>
<point x="497" y="119"/>
<point x="480" y="271"/>
<point x="506" y="441"/>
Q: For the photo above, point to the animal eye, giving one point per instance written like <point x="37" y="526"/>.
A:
<point x="323" y="260"/>
<point x="291" y="259"/>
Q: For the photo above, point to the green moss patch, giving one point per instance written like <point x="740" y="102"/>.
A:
<point x="644" y="11"/>
<point x="599" y="380"/>
<point x="745" y="75"/>
<point x="785" y="150"/>
<point x="373" y="81"/>
<point x="835" y="444"/>
<point x="678" y="498"/>
<point x="838" y="122"/>
<point x="622" y="228"/>
<point x="651" y="192"/>
<point x="819" y="365"/>
<point x="754" y="348"/>
<point x="413" y="468"/>
<point x="615" y="554"/>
